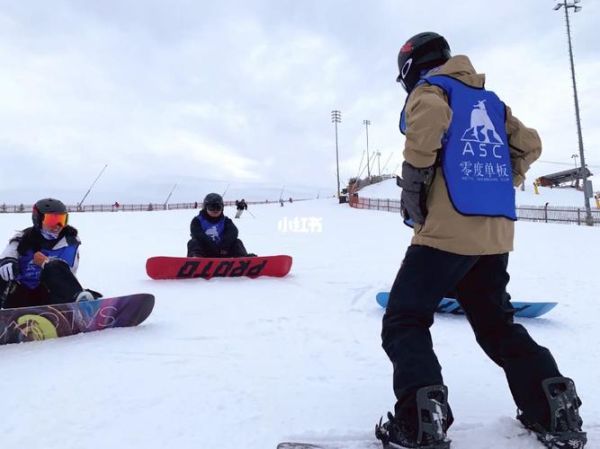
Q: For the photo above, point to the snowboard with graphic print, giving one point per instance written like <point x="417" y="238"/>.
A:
<point x="523" y="309"/>
<point x="61" y="320"/>
<point x="163" y="267"/>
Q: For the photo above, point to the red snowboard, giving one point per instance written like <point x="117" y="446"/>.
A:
<point x="205" y="267"/>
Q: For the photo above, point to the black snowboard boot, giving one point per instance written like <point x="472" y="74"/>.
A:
<point x="564" y="428"/>
<point x="432" y="409"/>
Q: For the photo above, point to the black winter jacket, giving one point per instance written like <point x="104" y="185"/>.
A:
<point x="230" y="233"/>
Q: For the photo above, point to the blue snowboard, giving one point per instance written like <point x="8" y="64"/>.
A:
<point x="450" y="305"/>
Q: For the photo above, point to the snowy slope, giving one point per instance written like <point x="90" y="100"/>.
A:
<point x="564" y="196"/>
<point x="240" y="363"/>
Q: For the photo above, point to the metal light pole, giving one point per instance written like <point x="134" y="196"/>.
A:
<point x="367" y="123"/>
<point x="575" y="156"/>
<point x="90" y="189"/>
<point x="169" y="197"/>
<point x="379" y="162"/>
<point x="336" y="117"/>
<point x="587" y="188"/>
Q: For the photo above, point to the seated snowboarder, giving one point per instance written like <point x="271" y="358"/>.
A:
<point x="214" y="234"/>
<point x="38" y="265"/>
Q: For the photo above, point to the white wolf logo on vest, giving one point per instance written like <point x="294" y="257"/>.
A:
<point x="213" y="233"/>
<point x="481" y="125"/>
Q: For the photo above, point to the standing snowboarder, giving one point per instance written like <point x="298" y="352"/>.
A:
<point x="213" y="234"/>
<point x="38" y="265"/>
<point x="463" y="154"/>
<point x="241" y="206"/>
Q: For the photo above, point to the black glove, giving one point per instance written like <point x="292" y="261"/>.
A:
<point x="415" y="184"/>
<point x="9" y="269"/>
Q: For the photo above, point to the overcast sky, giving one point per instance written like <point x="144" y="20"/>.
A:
<point x="242" y="91"/>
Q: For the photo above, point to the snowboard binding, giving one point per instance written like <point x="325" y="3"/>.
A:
<point x="432" y="410"/>
<point x="564" y="430"/>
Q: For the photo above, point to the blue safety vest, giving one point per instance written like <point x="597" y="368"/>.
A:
<point x="475" y="157"/>
<point x="213" y="230"/>
<point x="30" y="273"/>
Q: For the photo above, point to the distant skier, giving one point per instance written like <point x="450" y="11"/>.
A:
<point x="38" y="265"/>
<point x="241" y="206"/>
<point x="281" y="202"/>
<point x="214" y="234"/>
<point x="461" y="163"/>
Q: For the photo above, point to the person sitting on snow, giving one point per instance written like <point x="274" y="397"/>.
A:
<point x="213" y="234"/>
<point x="38" y="265"/>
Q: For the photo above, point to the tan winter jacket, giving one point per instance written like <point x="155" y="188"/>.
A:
<point x="428" y="116"/>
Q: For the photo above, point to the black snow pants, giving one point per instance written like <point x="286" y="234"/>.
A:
<point x="57" y="285"/>
<point x="197" y="248"/>
<point x="425" y="276"/>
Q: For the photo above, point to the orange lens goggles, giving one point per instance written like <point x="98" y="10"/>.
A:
<point x="53" y="220"/>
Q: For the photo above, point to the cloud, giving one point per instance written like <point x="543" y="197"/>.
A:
<point x="243" y="90"/>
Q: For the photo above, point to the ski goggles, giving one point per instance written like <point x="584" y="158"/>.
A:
<point x="52" y="220"/>
<point x="214" y="207"/>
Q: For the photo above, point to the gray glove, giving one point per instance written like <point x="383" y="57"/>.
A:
<point x="9" y="269"/>
<point x="415" y="184"/>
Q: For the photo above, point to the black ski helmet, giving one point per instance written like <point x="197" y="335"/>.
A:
<point x="214" y="200"/>
<point x="421" y="52"/>
<point x="46" y="206"/>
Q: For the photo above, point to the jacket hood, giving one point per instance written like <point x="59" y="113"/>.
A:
<point x="460" y="67"/>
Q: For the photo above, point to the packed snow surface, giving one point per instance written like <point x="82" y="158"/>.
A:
<point x="246" y="363"/>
